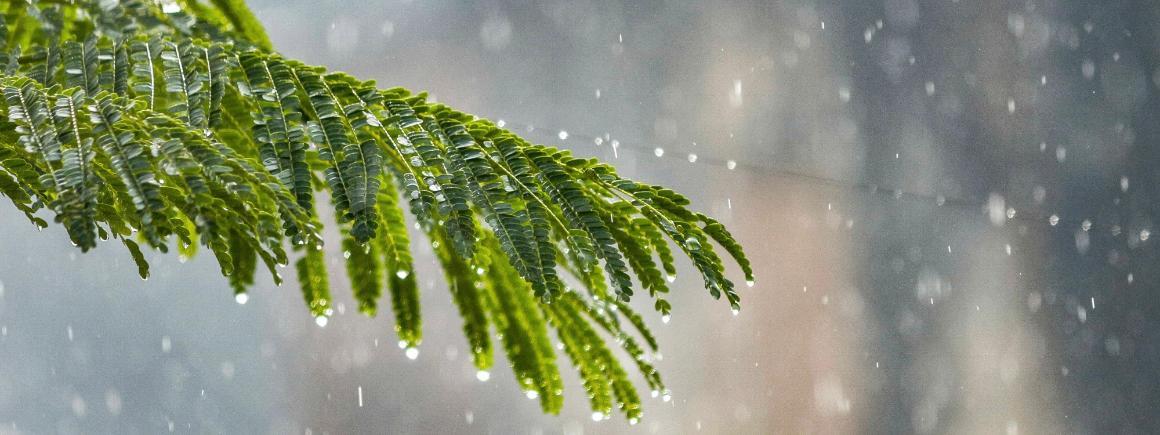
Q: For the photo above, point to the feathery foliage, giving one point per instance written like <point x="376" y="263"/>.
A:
<point x="180" y="126"/>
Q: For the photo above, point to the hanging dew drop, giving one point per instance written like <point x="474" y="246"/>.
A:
<point x="241" y="298"/>
<point x="655" y="394"/>
<point x="412" y="353"/>
<point x="667" y="397"/>
<point x="665" y="318"/>
<point x="749" y="283"/>
<point x="402" y="344"/>
<point x="736" y="311"/>
<point x="321" y="321"/>
<point x="671" y="277"/>
<point x="483" y="375"/>
<point x="597" y="416"/>
<point x="532" y="394"/>
<point x="633" y="421"/>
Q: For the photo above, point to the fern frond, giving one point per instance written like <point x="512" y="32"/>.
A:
<point x="198" y="134"/>
<point x="394" y="245"/>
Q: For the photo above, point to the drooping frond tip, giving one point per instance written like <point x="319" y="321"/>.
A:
<point x="160" y="126"/>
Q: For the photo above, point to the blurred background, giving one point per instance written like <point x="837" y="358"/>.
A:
<point x="950" y="206"/>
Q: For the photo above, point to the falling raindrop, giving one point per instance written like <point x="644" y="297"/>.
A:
<point x="731" y="165"/>
<point x="1088" y="68"/>
<point x="1053" y="220"/>
<point x="563" y="135"/>
<point x="659" y="151"/>
<point x="692" y="158"/>
<point x="1144" y="235"/>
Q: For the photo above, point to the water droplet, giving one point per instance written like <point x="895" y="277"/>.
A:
<point x="731" y="165"/>
<point x="402" y="274"/>
<point x="735" y="97"/>
<point x="483" y="375"/>
<point x="667" y="396"/>
<point x="749" y="283"/>
<point x="360" y="399"/>
<point x="1010" y="105"/>
<point x="633" y="421"/>
<point x="402" y="344"/>
<point x="241" y="298"/>
<point x="671" y="278"/>
<point x="597" y="416"/>
<point x="412" y="353"/>
<point x="1086" y="225"/>
<point x="1053" y="220"/>
<point x="655" y="394"/>
<point x="930" y="88"/>
<point x="346" y="254"/>
<point x="532" y="394"/>
<point x="166" y="344"/>
<point x="665" y="318"/>
<point x="563" y="135"/>
<point x="1124" y="184"/>
<point x="659" y="151"/>
<point x="736" y="311"/>
<point x="599" y="141"/>
<point x="1144" y="235"/>
<point x="321" y="321"/>
<point x="692" y="158"/>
